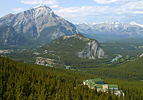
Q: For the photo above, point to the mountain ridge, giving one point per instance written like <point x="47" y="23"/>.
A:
<point x="121" y="30"/>
<point x="32" y="22"/>
<point x="75" y="46"/>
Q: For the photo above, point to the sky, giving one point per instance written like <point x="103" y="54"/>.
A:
<point x="82" y="11"/>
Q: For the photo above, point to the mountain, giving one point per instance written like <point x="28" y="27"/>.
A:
<point x="39" y="23"/>
<point x="134" y="23"/>
<point x="75" y="46"/>
<point x="119" y="30"/>
<point x="8" y="37"/>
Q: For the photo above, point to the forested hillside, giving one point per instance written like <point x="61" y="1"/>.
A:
<point x="33" y="82"/>
<point x="127" y="71"/>
<point x="19" y="81"/>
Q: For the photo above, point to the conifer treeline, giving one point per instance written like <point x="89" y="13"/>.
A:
<point x="24" y="83"/>
<point x="20" y="82"/>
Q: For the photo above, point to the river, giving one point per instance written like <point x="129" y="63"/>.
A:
<point x="116" y="58"/>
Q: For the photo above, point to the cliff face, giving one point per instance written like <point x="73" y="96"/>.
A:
<point x="92" y="51"/>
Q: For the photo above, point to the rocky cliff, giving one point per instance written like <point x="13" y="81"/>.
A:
<point x="92" y="51"/>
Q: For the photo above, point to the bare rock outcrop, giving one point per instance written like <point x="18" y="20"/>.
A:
<point x="92" y="51"/>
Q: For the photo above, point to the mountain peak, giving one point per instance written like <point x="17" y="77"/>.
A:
<point x="134" y="23"/>
<point x="39" y="23"/>
<point x="41" y="6"/>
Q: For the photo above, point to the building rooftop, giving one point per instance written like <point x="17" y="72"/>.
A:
<point x="97" y="79"/>
<point x="94" y="82"/>
<point x="113" y="85"/>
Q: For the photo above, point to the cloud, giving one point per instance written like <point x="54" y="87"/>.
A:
<point x="84" y="11"/>
<point x="133" y="5"/>
<point x="18" y="9"/>
<point x="34" y="2"/>
<point x="54" y="6"/>
<point x="105" y="1"/>
<point x="82" y="14"/>
<point x="111" y="1"/>
<point x="130" y="8"/>
<point x="126" y="11"/>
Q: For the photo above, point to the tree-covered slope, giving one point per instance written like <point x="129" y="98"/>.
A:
<point x="28" y="82"/>
<point x="132" y="49"/>
<point x="75" y="46"/>
<point x="127" y="71"/>
<point x="21" y="81"/>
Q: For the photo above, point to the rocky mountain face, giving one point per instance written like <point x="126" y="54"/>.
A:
<point x="124" y="30"/>
<point x="75" y="45"/>
<point x="32" y="22"/>
<point x="9" y="37"/>
<point x="92" y="51"/>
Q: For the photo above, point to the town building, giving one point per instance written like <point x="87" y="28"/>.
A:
<point x="40" y="62"/>
<point x="67" y="67"/>
<point x="101" y="86"/>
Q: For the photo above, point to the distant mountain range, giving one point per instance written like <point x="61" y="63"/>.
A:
<point x="39" y="23"/>
<point x="113" y="30"/>
<point x="42" y="25"/>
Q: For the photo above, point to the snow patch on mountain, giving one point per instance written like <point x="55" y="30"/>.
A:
<point x="134" y="23"/>
<point x="42" y="6"/>
<point x="116" y="26"/>
<point x="32" y="22"/>
<point x="121" y="30"/>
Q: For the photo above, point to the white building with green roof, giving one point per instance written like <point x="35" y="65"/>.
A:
<point x="101" y="86"/>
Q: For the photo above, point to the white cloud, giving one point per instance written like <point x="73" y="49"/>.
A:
<point x="33" y="2"/>
<point x="18" y="9"/>
<point x="105" y="1"/>
<point x="138" y="12"/>
<point x="83" y="11"/>
<point x="54" y="6"/>
<point x="82" y="14"/>
<point x="133" y="5"/>
<point x="122" y="12"/>
<point x="112" y="1"/>
<point x="130" y="8"/>
<point x="126" y="8"/>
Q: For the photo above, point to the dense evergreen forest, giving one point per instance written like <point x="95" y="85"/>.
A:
<point x="21" y="81"/>
<point x="128" y="71"/>
<point x="129" y="51"/>
<point x="28" y="81"/>
<point x="123" y="48"/>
